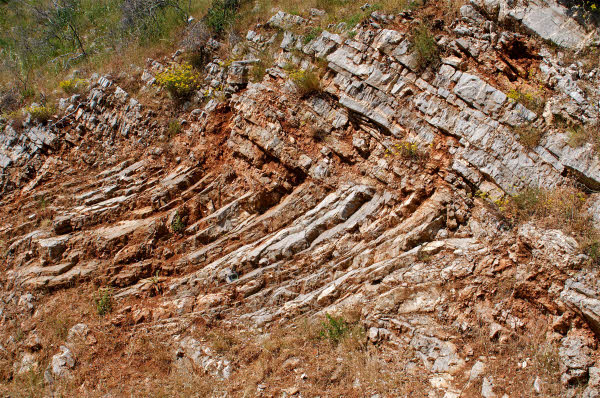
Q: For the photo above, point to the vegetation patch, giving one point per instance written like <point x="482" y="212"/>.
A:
<point x="103" y="301"/>
<point x="425" y="47"/>
<point x="307" y="81"/>
<point x="528" y="135"/>
<point x="222" y="14"/>
<point x="559" y="207"/>
<point x="259" y="69"/>
<point x="534" y="102"/>
<point x="40" y="113"/>
<point x="581" y="135"/>
<point x="174" y="128"/>
<point x="406" y="150"/>
<point x="312" y="34"/>
<point x="334" y="329"/>
<point x="181" y="81"/>
<point x="73" y="86"/>
<point x="177" y="225"/>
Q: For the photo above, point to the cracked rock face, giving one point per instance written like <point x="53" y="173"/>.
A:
<point x="271" y="208"/>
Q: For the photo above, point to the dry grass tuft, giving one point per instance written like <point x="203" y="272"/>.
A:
<point x="563" y="207"/>
<point x="528" y="135"/>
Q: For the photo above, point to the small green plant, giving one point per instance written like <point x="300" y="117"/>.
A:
<point x="334" y="329"/>
<point x="425" y="48"/>
<point x="482" y="195"/>
<point x="174" y="128"/>
<point x="72" y="86"/>
<point x="307" y="81"/>
<point x="103" y="301"/>
<point x="313" y="34"/>
<point x="42" y="203"/>
<point x="529" y="136"/>
<point x="40" y="113"/>
<point x="177" y="225"/>
<point x="181" y="81"/>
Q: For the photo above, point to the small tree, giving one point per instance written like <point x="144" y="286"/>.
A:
<point x="61" y="20"/>
<point x="195" y="42"/>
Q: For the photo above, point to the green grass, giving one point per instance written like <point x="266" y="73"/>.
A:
<point x="37" y="51"/>
<point x="103" y="302"/>
<point x="334" y="329"/>
<point x="425" y="47"/>
<point x="313" y="34"/>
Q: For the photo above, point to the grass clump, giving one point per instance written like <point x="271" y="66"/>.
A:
<point x="307" y="81"/>
<point x="174" y="128"/>
<point x="222" y="14"/>
<point x="336" y="330"/>
<point x="40" y="113"/>
<point x="103" y="302"/>
<point x="259" y="70"/>
<point x="425" y="47"/>
<point x="581" y="135"/>
<point x="72" y="86"/>
<point x="529" y="136"/>
<point x="181" y="81"/>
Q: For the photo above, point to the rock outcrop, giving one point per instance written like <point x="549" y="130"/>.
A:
<point x="376" y="195"/>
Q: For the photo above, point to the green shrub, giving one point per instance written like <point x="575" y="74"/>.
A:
<point x="181" y="81"/>
<point x="103" y="301"/>
<point x="307" y="81"/>
<point x="72" y="86"/>
<point x="40" y="113"/>
<point x="177" y="225"/>
<point x="334" y="329"/>
<point x="425" y="47"/>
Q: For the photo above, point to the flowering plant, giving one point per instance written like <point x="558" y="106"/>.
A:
<point x="179" y="80"/>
